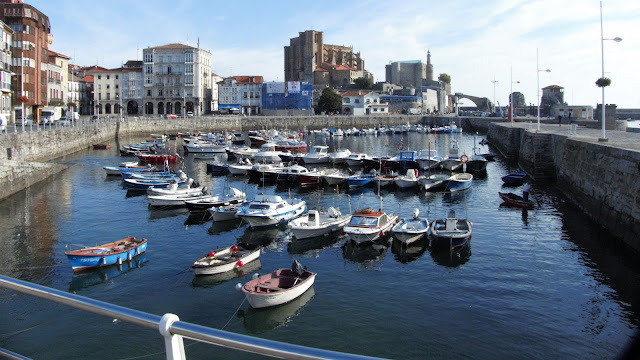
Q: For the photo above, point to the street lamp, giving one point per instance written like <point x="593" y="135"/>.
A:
<point x="511" y="95"/>
<point x="602" y="39"/>
<point x="538" y="84"/>
<point x="494" y="93"/>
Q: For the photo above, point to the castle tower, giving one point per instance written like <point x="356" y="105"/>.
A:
<point x="429" y="67"/>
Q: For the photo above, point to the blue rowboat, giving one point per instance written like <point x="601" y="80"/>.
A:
<point x="149" y="175"/>
<point x="514" y="178"/>
<point x="107" y="254"/>
<point x="144" y="184"/>
<point x="458" y="182"/>
<point x="360" y="180"/>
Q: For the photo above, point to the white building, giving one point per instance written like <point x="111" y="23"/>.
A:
<point x="5" y="72"/>
<point x="176" y="77"/>
<point x="242" y="93"/>
<point x="215" y="91"/>
<point x="363" y="103"/>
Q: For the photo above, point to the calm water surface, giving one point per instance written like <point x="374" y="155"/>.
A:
<point x="545" y="283"/>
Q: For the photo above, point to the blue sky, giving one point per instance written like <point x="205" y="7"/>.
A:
<point x="473" y="41"/>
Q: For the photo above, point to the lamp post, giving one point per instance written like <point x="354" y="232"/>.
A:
<point x="22" y="87"/>
<point x="494" y="81"/>
<point x="538" y="85"/>
<point x="511" y="95"/>
<point x="602" y="39"/>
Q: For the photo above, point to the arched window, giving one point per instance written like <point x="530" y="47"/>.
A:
<point x="160" y="108"/>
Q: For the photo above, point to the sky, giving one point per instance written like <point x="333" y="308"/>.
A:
<point x="475" y="42"/>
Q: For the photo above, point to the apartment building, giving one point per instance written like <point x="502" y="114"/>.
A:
<point x="5" y="72"/>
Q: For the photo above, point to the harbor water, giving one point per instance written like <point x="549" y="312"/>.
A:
<point x="531" y="284"/>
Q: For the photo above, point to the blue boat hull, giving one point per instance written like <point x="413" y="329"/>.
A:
<point x="457" y="185"/>
<point x="359" y="182"/>
<point x="88" y="262"/>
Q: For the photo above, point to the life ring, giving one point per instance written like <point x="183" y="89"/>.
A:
<point x="464" y="158"/>
<point x="401" y="146"/>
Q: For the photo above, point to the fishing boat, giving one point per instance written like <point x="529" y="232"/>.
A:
<point x="144" y="184"/>
<point x="335" y="177"/>
<point x="175" y="189"/>
<point x="450" y="231"/>
<point x="206" y="202"/>
<point x="207" y="147"/>
<point x="386" y="179"/>
<point x="411" y="229"/>
<point x="452" y="161"/>
<point x="290" y="174"/>
<point x="157" y="158"/>
<point x="458" y="182"/>
<point x="428" y="159"/>
<point x="174" y="200"/>
<point x="511" y="199"/>
<point x="241" y="167"/>
<point x="318" y="223"/>
<point x="477" y="164"/>
<point x="129" y="167"/>
<point x="360" y="179"/>
<point x="221" y="260"/>
<point x="433" y="182"/>
<point x="271" y="210"/>
<point x="369" y="225"/>
<point x="515" y="178"/>
<point x="407" y="181"/>
<point x="267" y="154"/>
<point x="106" y="254"/>
<point x="278" y="287"/>
<point x="224" y="213"/>
<point x="356" y="159"/>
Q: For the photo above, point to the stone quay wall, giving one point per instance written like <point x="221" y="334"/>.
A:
<point x="18" y="175"/>
<point x="598" y="178"/>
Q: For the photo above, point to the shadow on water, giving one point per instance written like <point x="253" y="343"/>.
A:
<point x="197" y="218"/>
<point x="215" y="279"/>
<point x="218" y="227"/>
<point x="365" y="252"/>
<point x="135" y="192"/>
<point x="97" y="276"/>
<point x="262" y="237"/>
<point x="160" y="213"/>
<point x="452" y="257"/>
<point x="297" y="246"/>
<point x="266" y="319"/>
<point x="404" y="253"/>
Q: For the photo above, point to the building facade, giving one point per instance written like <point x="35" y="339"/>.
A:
<point x="132" y="88"/>
<point x="107" y="85"/>
<point x="290" y="98"/>
<point x="308" y="59"/>
<point x="406" y="73"/>
<point x="5" y="73"/>
<point x="31" y="41"/>
<point x="241" y="94"/>
<point x="363" y="103"/>
<point x="177" y="78"/>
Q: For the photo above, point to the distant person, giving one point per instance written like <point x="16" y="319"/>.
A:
<point x="525" y="191"/>
<point x="559" y="120"/>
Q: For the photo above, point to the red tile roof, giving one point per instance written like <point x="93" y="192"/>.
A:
<point x="53" y="53"/>
<point x="88" y="79"/>
<point x="173" y="47"/>
<point x="321" y="69"/>
<point x="355" y="93"/>
<point x="245" y="79"/>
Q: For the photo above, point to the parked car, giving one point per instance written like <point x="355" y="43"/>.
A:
<point x="190" y="113"/>
<point x="172" y="116"/>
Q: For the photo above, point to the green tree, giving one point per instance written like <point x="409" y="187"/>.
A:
<point x="363" y="83"/>
<point x="518" y="99"/>
<point x="444" y="77"/>
<point x="329" y="101"/>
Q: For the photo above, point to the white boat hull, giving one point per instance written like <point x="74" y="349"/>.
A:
<point x="258" y="220"/>
<point x="302" y="231"/>
<point x="406" y="183"/>
<point x="365" y="234"/>
<point x="227" y="266"/>
<point x="266" y="300"/>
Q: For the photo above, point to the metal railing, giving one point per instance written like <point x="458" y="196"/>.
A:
<point x="171" y="328"/>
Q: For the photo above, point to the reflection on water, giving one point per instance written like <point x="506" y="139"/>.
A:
<point x="301" y="246"/>
<point x="262" y="237"/>
<point x="100" y="275"/>
<point x="266" y="319"/>
<point x="452" y="257"/>
<point x="197" y="218"/>
<point x="219" y="227"/>
<point x="365" y="252"/>
<point x="155" y="214"/>
<point x="215" y="279"/>
<point x="404" y="253"/>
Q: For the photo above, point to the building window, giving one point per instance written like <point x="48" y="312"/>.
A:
<point x="159" y="92"/>
<point x="149" y="92"/>
<point x="188" y="57"/>
<point x="357" y="101"/>
<point x="346" y="100"/>
<point x="108" y="77"/>
<point x="99" y="77"/>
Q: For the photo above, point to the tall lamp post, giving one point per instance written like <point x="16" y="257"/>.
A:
<point x="511" y="95"/>
<point x="538" y="84"/>
<point x="602" y="39"/>
<point x="494" y="81"/>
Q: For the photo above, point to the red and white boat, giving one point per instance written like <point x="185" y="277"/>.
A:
<point x="369" y="225"/>
<point x="156" y="158"/>
<point x="292" y="145"/>
<point x="278" y="287"/>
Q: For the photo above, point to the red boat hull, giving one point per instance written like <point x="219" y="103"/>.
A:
<point x="155" y="159"/>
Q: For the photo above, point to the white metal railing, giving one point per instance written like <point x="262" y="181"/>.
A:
<point x="171" y="328"/>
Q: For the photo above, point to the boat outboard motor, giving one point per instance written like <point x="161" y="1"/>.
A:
<point x="297" y="268"/>
<point x="416" y="212"/>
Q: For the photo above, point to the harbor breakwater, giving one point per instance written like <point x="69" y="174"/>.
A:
<point x="596" y="177"/>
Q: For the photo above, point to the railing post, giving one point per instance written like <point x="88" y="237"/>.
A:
<point x="173" y="344"/>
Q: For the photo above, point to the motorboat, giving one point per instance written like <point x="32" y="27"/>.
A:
<point x="271" y="210"/>
<point x="174" y="200"/>
<point x="290" y="174"/>
<point x="175" y="189"/>
<point x="339" y="156"/>
<point x="318" y="223"/>
<point x="204" y="203"/>
<point x="407" y="181"/>
<point x="335" y="177"/>
<point x="198" y="147"/>
<point x="428" y="159"/>
<point x="221" y="260"/>
<point x="224" y="213"/>
<point x="411" y="229"/>
<point x="369" y="225"/>
<point x="356" y="159"/>
<point x="450" y="231"/>
<point x="452" y="161"/>
<point x="360" y="179"/>
<point x="386" y="179"/>
<point x="267" y="154"/>
<point x="433" y="182"/>
<point x="319" y="154"/>
<point x="278" y="287"/>
<point x="241" y="167"/>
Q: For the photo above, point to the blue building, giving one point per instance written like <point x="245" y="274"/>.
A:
<point x="292" y="97"/>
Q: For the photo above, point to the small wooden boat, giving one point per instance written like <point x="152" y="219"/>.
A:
<point x="458" y="182"/>
<point x="433" y="182"/>
<point x="511" y="199"/>
<point x="514" y="178"/>
<point x="226" y="259"/>
<point x="450" y="231"/>
<point x="278" y="287"/>
<point x="410" y="230"/>
<point x="106" y="254"/>
<point x="101" y="147"/>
